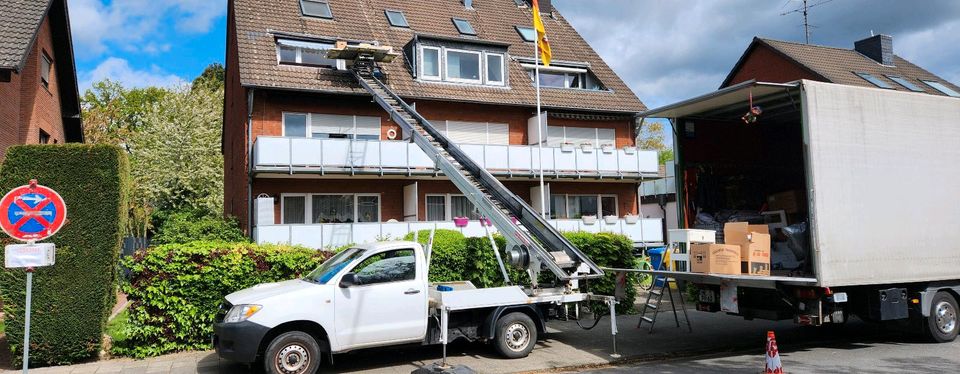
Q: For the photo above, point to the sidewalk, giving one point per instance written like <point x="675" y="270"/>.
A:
<point x="568" y="346"/>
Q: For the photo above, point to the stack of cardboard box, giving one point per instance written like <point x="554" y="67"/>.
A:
<point x="747" y="251"/>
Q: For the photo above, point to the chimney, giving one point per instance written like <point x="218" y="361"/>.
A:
<point x="545" y="6"/>
<point x="877" y="47"/>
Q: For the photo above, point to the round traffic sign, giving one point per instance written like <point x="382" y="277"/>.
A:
<point x="32" y="212"/>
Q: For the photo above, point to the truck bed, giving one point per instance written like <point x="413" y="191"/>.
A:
<point x="465" y="296"/>
<point x="739" y="279"/>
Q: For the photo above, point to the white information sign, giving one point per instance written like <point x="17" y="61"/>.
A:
<point x="29" y="255"/>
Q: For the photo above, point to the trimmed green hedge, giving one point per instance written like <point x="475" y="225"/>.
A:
<point x="185" y="227"/>
<point x="175" y="289"/>
<point x="72" y="299"/>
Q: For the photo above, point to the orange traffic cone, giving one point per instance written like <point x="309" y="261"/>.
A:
<point x="773" y="366"/>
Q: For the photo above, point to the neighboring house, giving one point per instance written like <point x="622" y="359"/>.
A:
<point x="871" y="63"/>
<point x="39" y="102"/>
<point x="331" y="168"/>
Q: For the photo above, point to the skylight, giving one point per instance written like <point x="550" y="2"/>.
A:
<point x="526" y="33"/>
<point x="396" y="18"/>
<point x="905" y="83"/>
<point x="316" y="8"/>
<point x="942" y="88"/>
<point x="876" y="81"/>
<point x="463" y="26"/>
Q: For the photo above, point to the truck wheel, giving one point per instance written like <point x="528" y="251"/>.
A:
<point x="516" y="335"/>
<point x="293" y="352"/>
<point x="942" y="325"/>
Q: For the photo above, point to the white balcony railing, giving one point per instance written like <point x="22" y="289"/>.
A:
<point x="293" y="155"/>
<point x="332" y="235"/>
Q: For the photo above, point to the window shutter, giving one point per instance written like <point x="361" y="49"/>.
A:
<point x="554" y="136"/>
<point x="498" y="133"/>
<point x="331" y="124"/>
<point x="606" y="136"/>
<point x="368" y="126"/>
<point x="467" y="132"/>
<point x="580" y="135"/>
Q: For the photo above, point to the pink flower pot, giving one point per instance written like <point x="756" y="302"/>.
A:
<point x="460" y="221"/>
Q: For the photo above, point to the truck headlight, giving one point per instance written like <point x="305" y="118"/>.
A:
<point x="240" y="313"/>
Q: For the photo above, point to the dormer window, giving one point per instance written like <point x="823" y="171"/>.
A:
<point x="571" y="77"/>
<point x="316" y="8"/>
<point x="440" y="63"/>
<point x="306" y="53"/>
<point x="464" y="27"/>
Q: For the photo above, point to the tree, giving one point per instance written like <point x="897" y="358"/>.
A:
<point x="111" y="113"/>
<point x="212" y="78"/>
<point x="650" y="136"/>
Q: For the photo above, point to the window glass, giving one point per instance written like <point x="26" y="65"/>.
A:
<point x="905" y="83"/>
<point x="396" y="18"/>
<point x="608" y="205"/>
<point x="431" y="62"/>
<point x="579" y="206"/>
<point x="436" y="208"/>
<point x="294" y="124"/>
<point x="293" y="209"/>
<point x="464" y="27"/>
<point x="495" y="68"/>
<point x="316" y="57"/>
<point x="368" y="208"/>
<point x="45" y="69"/>
<point x="331" y="267"/>
<point x="876" y="81"/>
<point x="391" y="266"/>
<point x="315" y="8"/>
<point x="942" y="88"/>
<point x="558" y="206"/>
<point x="460" y="206"/>
<point x="526" y="33"/>
<point x="332" y="209"/>
<point x="288" y="54"/>
<point x="463" y="65"/>
<point x="552" y="79"/>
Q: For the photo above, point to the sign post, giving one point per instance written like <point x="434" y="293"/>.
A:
<point x="30" y="213"/>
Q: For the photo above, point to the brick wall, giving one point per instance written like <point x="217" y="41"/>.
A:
<point x="766" y="65"/>
<point x="234" y="145"/>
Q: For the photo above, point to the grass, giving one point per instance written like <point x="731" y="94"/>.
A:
<point x="117" y="328"/>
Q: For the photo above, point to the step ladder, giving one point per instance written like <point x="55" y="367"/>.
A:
<point x="663" y="284"/>
<point x="533" y="246"/>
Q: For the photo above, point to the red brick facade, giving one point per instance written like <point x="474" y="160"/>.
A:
<point x="27" y="105"/>
<point x="766" y="65"/>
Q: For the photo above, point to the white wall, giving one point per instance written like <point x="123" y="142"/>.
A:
<point x="653" y="211"/>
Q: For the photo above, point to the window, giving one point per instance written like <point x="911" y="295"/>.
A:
<point x="574" y="78"/>
<point x="463" y="26"/>
<point x="368" y="208"/>
<point x="474" y="132"/>
<point x="436" y="208"/>
<point x="876" y="81"/>
<point x="460" y="206"/>
<point x="557" y="135"/>
<point x="293" y="209"/>
<point x="431" y="63"/>
<point x="315" y="8"/>
<point x="463" y="66"/>
<point x="528" y="34"/>
<point x="941" y="87"/>
<point x="45" y="64"/>
<point x="390" y="266"/>
<point x="905" y="83"/>
<point x="396" y="18"/>
<point x="577" y="206"/>
<point x="295" y="124"/>
<point x="44" y="137"/>
<point x="300" y="52"/>
<point x="494" y="68"/>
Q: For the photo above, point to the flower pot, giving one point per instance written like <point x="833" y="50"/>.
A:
<point x="586" y="147"/>
<point x="631" y="219"/>
<point x="566" y="147"/>
<point x="589" y="220"/>
<point x="630" y="150"/>
<point x="607" y="148"/>
<point x="460" y="221"/>
<point x="485" y="222"/>
<point x="610" y="220"/>
<point x="513" y="219"/>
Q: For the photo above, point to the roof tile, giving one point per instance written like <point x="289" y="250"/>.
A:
<point x="20" y="21"/>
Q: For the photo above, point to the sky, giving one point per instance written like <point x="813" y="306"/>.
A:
<point x="666" y="50"/>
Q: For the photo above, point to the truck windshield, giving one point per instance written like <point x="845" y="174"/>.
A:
<point x="331" y="267"/>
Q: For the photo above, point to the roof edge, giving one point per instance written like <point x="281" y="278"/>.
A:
<point x="761" y="41"/>
<point x="720" y="92"/>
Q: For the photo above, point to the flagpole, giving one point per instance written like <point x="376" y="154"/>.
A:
<point x="536" y="73"/>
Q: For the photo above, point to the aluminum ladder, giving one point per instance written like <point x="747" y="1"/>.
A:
<point x="663" y="284"/>
<point x="534" y="245"/>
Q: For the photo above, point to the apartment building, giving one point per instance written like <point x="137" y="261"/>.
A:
<point x="39" y="102"/>
<point x="310" y="159"/>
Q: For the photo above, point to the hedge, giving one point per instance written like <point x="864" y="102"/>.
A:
<point x="185" y="227"/>
<point x="73" y="298"/>
<point x="175" y="289"/>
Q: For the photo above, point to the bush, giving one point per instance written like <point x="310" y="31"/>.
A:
<point x="72" y="299"/>
<point x="609" y="250"/>
<point x="175" y="289"/>
<point x="448" y="260"/>
<point x="185" y="227"/>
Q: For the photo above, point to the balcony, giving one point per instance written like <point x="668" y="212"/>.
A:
<point x="344" y="156"/>
<point x="333" y="235"/>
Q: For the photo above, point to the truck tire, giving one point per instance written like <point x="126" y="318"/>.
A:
<point x="293" y="352"/>
<point x="516" y="335"/>
<point x="942" y="325"/>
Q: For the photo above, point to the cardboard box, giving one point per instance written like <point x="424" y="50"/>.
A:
<point x="788" y="201"/>
<point x="754" y="244"/>
<point x="715" y="258"/>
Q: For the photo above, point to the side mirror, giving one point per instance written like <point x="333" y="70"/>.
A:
<point x="348" y="280"/>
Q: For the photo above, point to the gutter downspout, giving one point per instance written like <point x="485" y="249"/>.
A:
<point x="250" y="161"/>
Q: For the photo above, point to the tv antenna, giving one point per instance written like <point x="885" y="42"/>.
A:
<point x="806" y="23"/>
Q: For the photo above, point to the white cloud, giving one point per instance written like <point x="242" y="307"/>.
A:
<point x="118" y="69"/>
<point x="130" y="24"/>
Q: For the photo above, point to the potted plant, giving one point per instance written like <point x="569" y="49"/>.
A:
<point x="610" y="219"/>
<point x="586" y="147"/>
<point x="630" y="150"/>
<point x="631" y="219"/>
<point x="589" y="219"/>
<point x="461" y="221"/>
<point x="567" y="147"/>
<point x="607" y="148"/>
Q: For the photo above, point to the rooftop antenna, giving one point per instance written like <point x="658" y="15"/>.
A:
<point x="806" y="23"/>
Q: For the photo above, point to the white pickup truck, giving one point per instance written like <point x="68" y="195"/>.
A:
<point x="377" y="295"/>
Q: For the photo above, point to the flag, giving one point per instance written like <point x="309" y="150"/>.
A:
<point x="542" y="43"/>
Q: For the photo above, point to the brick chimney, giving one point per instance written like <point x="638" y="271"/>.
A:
<point x="877" y="47"/>
<point x="545" y="6"/>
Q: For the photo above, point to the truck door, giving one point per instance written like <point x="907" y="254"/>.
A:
<point x="388" y="303"/>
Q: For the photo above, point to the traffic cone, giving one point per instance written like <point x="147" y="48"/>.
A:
<point x="773" y="365"/>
